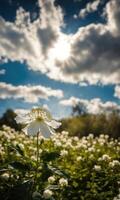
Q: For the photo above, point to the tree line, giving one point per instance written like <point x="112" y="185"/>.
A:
<point x="80" y="123"/>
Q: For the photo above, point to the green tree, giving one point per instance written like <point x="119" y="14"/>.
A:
<point x="79" y="109"/>
<point x="8" y="119"/>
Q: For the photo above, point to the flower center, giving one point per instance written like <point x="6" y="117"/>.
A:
<point x="39" y="119"/>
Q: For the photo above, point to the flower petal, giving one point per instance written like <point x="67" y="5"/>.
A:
<point x="25" y="130"/>
<point x="23" y="119"/>
<point x="45" y="130"/>
<point x="54" y="124"/>
<point x="32" y="128"/>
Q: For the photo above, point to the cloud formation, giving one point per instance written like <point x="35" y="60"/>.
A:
<point x="30" y="94"/>
<point x="90" y="7"/>
<point x="117" y="91"/>
<point x="94" y="106"/>
<point x="2" y="71"/>
<point x="28" y="41"/>
<point x="93" y="52"/>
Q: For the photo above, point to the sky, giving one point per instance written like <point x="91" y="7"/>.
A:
<point x="57" y="53"/>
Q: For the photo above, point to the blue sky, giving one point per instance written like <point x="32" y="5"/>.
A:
<point x="58" y="53"/>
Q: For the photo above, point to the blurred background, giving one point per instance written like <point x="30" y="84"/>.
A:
<point x="79" y="123"/>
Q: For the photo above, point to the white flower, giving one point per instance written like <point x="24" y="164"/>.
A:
<point x="47" y="193"/>
<point x="106" y="136"/>
<point x="65" y="133"/>
<point x="90" y="136"/>
<point x="91" y="156"/>
<point x="91" y="149"/>
<point x="21" y="146"/>
<point x="15" y="143"/>
<point x="68" y="144"/>
<point x="63" y="152"/>
<point x="33" y="158"/>
<point x="98" y="150"/>
<point x="79" y="158"/>
<point x="63" y="182"/>
<point x="114" y="163"/>
<point x="105" y="157"/>
<point x="38" y="120"/>
<point x="57" y="143"/>
<point x="97" y="167"/>
<point x="76" y="139"/>
<point x="51" y="179"/>
<point x="5" y="176"/>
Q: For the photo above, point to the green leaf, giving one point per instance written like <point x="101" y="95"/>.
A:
<point x="20" y="166"/>
<point x="3" y="170"/>
<point x="36" y="196"/>
<point x="21" y="191"/>
<point x="11" y="148"/>
<point x="20" y="151"/>
<point x="58" y="171"/>
<point x="53" y="187"/>
<point x="52" y="198"/>
<point x="49" y="156"/>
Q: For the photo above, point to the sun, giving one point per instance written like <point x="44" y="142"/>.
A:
<point x="60" y="51"/>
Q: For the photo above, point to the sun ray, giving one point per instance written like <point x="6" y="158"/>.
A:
<point x="60" y="51"/>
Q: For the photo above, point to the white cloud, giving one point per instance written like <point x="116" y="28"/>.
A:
<point x="94" y="106"/>
<point x="2" y="71"/>
<point x="90" y="7"/>
<point x="29" y="41"/>
<point x="70" y="102"/>
<point x="90" y="55"/>
<point x="29" y="93"/>
<point x="95" y="52"/>
<point x="46" y="107"/>
<point x="113" y="16"/>
<point x="83" y="84"/>
<point x="20" y="111"/>
<point x="117" y="91"/>
<point x="75" y="16"/>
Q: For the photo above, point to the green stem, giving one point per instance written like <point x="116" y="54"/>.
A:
<point x="37" y="150"/>
<point x="37" y="160"/>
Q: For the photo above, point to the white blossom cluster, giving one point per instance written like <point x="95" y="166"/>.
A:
<point x="74" y="155"/>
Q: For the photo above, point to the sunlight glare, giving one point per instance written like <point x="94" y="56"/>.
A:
<point x="60" y="51"/>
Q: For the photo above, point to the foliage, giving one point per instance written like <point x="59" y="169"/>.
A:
<point x="8" y="119"/>
<point x="69" y="167"/>
<point x="96" y="124"/>
<point x="79" y="109"/>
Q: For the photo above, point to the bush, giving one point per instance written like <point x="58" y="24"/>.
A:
<point x="96" y="124"/>
<point x="69" y="167"/>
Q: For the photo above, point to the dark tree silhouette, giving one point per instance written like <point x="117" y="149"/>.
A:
<point x="8" y="119"/>
<point x="79" y="109"/>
